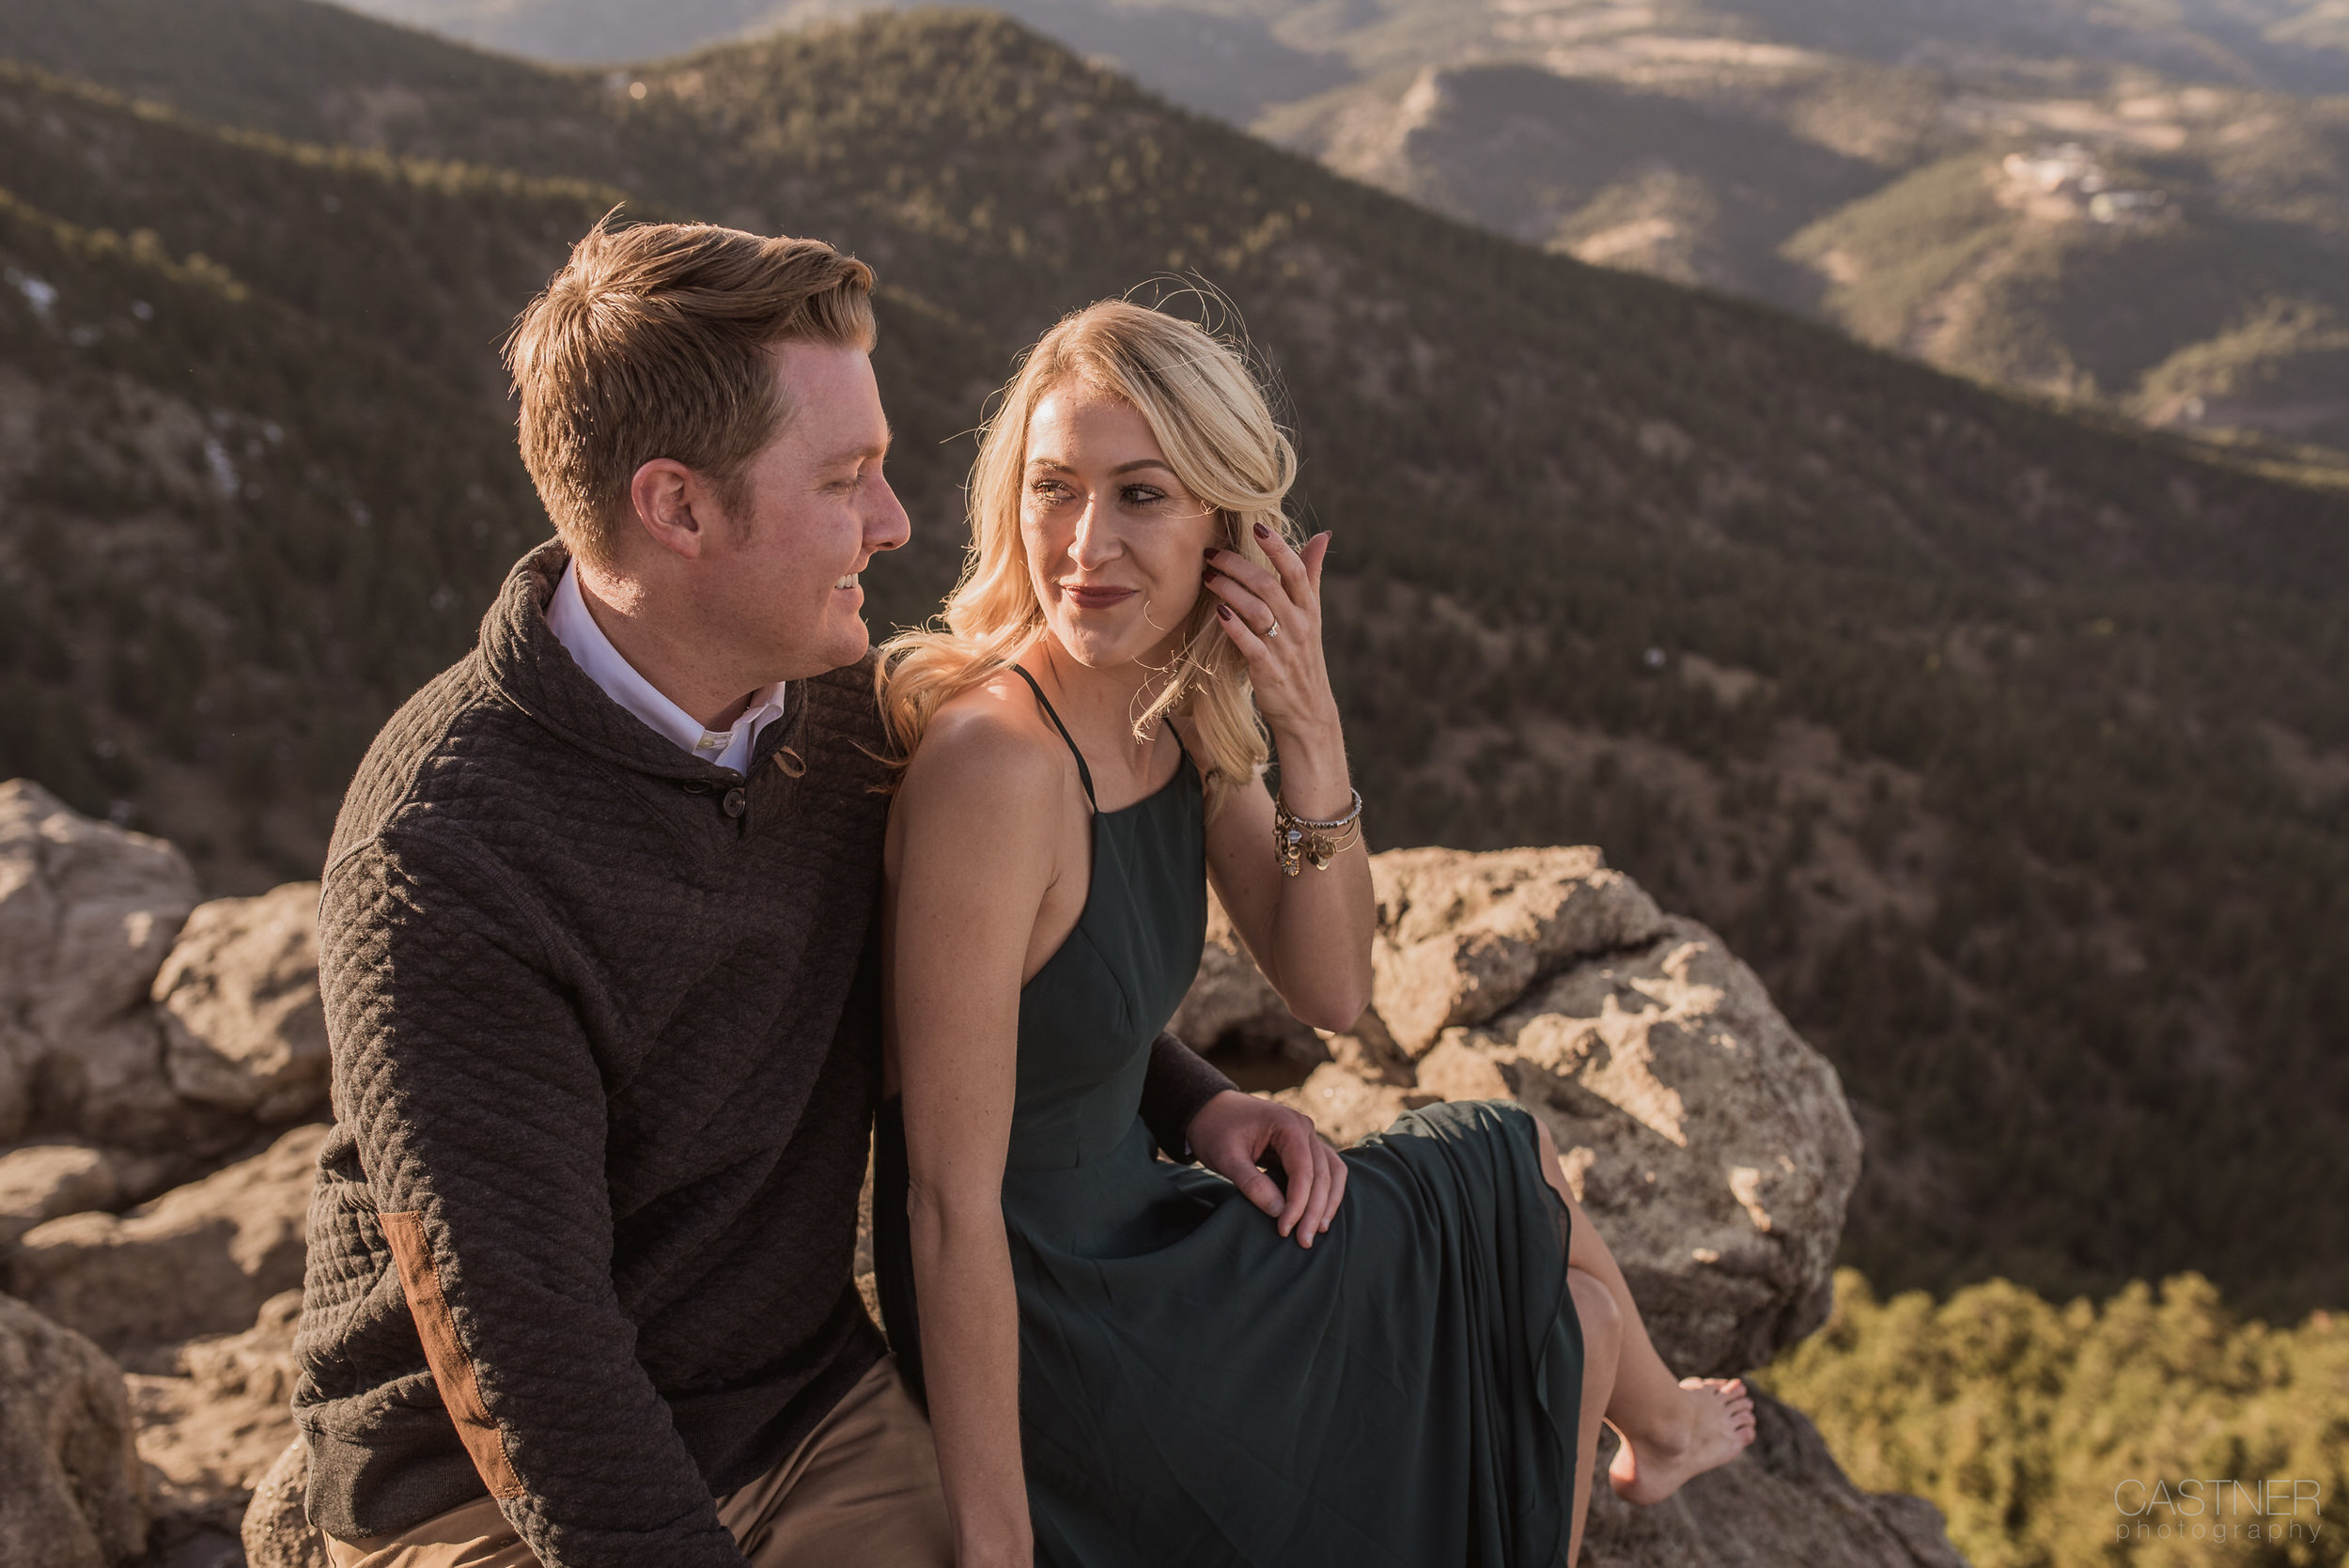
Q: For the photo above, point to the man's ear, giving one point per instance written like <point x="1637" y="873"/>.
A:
<point x="674" y="506"/>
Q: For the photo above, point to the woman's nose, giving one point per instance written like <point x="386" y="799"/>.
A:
<point x="1096" y="542"/>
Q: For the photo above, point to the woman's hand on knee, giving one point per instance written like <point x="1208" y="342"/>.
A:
<point x="1234" y="1135"/>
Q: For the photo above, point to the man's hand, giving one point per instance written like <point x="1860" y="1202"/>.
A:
<point x="1235" y="1134"/>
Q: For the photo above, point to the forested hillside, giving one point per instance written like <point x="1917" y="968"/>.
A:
<point x="2010" y="747"/>
<point x="2137" y="207"/>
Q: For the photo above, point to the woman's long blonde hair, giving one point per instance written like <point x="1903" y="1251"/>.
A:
<point x="1212" y="421"/>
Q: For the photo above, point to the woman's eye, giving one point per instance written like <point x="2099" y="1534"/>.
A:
<point x="1141" y="495"/>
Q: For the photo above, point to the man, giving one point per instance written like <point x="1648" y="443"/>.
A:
<point x="597" y="944"/>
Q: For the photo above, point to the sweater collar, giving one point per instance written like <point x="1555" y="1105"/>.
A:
<point x="529" y="666"/>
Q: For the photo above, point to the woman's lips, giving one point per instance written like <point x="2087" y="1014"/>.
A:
<point x="1096" y="599"/>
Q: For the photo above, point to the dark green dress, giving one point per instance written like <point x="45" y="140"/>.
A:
<point x="1195" y="1390"/>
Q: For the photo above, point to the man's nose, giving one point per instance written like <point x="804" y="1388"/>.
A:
<point x="887" y="526"/>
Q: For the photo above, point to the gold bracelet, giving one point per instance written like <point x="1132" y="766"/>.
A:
<point x="1296" y="839"/>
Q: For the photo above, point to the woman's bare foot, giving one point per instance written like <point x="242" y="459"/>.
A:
<point x="1651" y="1468"/>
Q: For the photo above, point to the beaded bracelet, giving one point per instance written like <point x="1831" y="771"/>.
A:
<point x="1299" y="838"/>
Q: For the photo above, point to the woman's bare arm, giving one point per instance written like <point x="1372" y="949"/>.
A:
<point x="972" y="860"/>
<point x="1309" y="933"/>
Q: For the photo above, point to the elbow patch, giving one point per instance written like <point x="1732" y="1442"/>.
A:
<point x="452" y="1369"/>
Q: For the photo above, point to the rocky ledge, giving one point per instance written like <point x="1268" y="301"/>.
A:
<point x="162" y="1087"/>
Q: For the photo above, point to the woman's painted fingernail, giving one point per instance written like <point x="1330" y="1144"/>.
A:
<point x="1262" y="532"/>
<point x="1224" y="611"/>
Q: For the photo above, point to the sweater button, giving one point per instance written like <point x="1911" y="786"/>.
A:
<point x="737" y="803"/>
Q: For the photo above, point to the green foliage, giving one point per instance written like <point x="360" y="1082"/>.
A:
<point x="2041" y="1432"/>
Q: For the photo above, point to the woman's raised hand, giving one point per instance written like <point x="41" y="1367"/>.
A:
<point x="1274" y="618"/>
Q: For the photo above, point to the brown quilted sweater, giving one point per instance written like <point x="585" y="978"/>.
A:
<point x="606" y="1040"/>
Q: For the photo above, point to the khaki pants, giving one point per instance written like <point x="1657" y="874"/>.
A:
<point x="861" y="1488"/>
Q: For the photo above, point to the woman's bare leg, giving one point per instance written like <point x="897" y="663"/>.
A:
<point x="1602" y="1331"/>
<point x="1671" y="1428"/>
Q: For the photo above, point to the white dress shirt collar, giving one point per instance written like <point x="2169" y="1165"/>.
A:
<point x="568" y="618"/>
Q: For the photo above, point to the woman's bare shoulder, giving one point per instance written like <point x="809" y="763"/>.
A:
<point x="988" y="743"/>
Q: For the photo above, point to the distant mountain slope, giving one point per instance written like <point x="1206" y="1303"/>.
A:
<point x="2097" y="236"/>
<point x="1714" y="141"/>
<point x="2299" y="46"/>
<point x="1218" y="59"/>
<point x="2121" y="277"/>
<point x="2010" y="745"/>
<point x="233" y="537"/>
<point x="1671" y="186"/>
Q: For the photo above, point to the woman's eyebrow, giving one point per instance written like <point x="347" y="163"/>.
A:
<point x="1055" y="465"/>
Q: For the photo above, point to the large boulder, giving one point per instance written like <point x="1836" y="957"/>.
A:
<point x="212" y="1428"/>
<point x="199" y="1260"/>
<point x="47" y="1177"/>
<point x="1711" y="1147"/>
<point x="72" y="1493"/>
<point x="244" y="1028"/>
<point x="88" y="912"/>
<point x="277" y="1533"/>
<point x="1461" y="935"/>
<point x="1714" y="1149"/>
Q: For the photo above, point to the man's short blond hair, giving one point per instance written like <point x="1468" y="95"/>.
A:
<point x="656" y="340"/>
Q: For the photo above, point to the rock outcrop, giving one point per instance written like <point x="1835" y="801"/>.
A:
<point x="237" y="998"/>
<point x="277" y="1532"/>
<point x="1461" y="937"/>
<point x="199" y="1260"/>
<point x="1710" y="1145"/>
<point x="147" y="1041"/>
<point x="46" y="1177"/>
<point x="1713" y="1148"/>
<point x="88" y="912"/>
<point x="212" y="1428"/>
<point x="72" y="1493"/>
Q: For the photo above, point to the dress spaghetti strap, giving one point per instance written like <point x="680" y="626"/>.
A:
<point x="1084" y="774"/>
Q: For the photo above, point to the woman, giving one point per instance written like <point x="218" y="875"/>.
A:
<point x="1126" y="1362"/>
